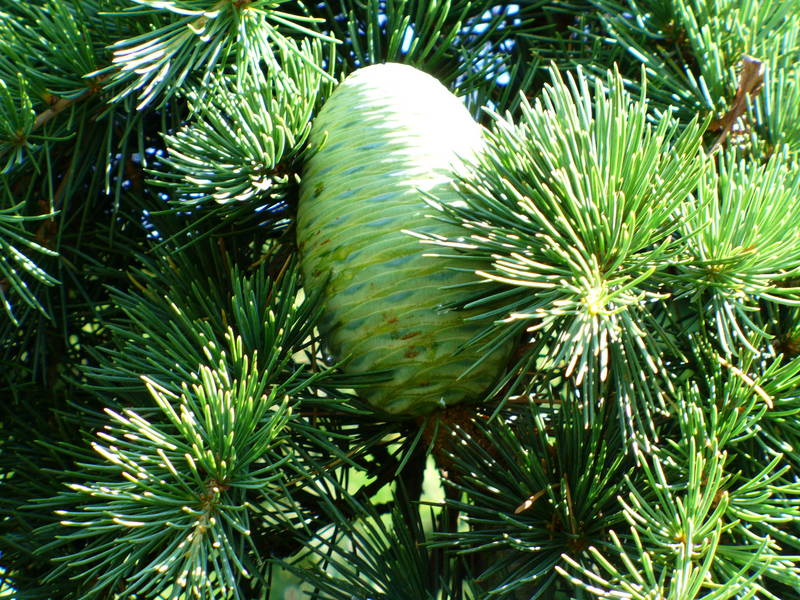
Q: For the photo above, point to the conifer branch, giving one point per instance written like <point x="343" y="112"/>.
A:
<point x="174" y="425"/>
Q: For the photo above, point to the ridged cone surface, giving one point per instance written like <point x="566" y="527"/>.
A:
<point x="387" y="132"/>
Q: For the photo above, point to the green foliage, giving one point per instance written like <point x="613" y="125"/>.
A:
<point x="186" y="39"/>
<point x="16" y="242"/>
<point x="172" y="425"/>
<point x="246" y="135"/>
<point x="54" y="45"/>
<point x="168" y="504"/>
<point x="777" y="109"/>
<point x="576" y="209"/>
<point x="18" y="119"/>
<point x="691" y="48"/>
<point x="528" y="505"/>
<point x="191" y="467"/>
<point x="380" y="558"/>
<point x="741" y="240"/>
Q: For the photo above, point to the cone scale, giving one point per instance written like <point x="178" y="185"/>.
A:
<point x="387" y="133"/>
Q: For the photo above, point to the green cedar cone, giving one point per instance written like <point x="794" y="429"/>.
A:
<point x="386" y="133"/>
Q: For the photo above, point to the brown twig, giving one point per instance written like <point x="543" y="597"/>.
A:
<point x="751" y="80"/>
<point x="59" y="106"/>
<point x="748" y="381"/>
